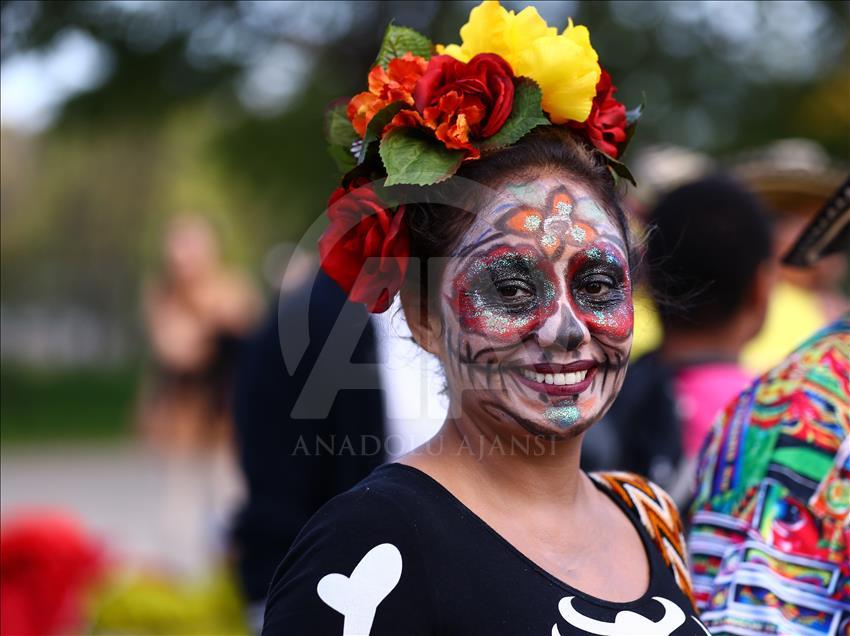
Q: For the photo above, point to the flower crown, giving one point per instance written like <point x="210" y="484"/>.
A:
<point x="425" y="114"/>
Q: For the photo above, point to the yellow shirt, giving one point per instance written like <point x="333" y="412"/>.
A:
<point x="793" y="314"/>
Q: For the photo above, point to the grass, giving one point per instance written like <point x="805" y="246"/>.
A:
<point x="39" y="405"/>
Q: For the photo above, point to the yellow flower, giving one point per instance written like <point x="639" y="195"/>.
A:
<point x="565" y="65"/>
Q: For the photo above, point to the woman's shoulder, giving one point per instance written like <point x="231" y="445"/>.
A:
<point x="360" y="550"/>
<point x="657" y="514"/>
<point x="392" y="493"/>
<point x="638" y="493"/>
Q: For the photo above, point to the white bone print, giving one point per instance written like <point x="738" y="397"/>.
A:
<point x="357" y="597"/>
<point x="626" y="623"/>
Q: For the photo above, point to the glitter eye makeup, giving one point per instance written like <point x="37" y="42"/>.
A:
<point x="601" y="289"/>
<point x="504" y="293"/>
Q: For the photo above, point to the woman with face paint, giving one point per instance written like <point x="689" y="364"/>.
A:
<point x="514" y="270"/>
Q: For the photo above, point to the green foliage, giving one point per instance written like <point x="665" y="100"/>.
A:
<point x="343" y="158"/>
<point x="619" y="170"/>
<point x="338" y="128"/>
<point x="413" y="158"/>
<point x="376" y="125"/>
<point x="80" y="404"/>
<point x="149" y="603"/>
<point x="527" y="114"/>
<point x="400" y="40"/>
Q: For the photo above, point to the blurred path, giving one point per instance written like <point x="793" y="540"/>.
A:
<point x="119" y="493"/>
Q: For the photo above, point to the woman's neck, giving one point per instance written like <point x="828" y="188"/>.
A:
<point x="472" y="461"/>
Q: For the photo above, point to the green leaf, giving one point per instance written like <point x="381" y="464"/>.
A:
<point x="632" y="118"/>
<point x="413" y="158"/>
<point x="619" y="170"/>
<point x="343" y="158"/>
<point x="399" y="40"/>
<point x="527" y="114"/>
<point x="376" y="125"/>
<point x="338" y="128"/>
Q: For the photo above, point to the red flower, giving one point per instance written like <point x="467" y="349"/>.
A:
<point x="394" y="84"/>
<point x="365" y="248"/>
<point x="47" y="565"/>
<point x="606" y="124"/>
<point x="461" y="101"/>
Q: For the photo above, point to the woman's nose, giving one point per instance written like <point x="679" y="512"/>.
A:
<point x="563" y="328"/>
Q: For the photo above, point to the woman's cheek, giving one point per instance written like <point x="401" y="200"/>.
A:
<point x="614" y="323"/>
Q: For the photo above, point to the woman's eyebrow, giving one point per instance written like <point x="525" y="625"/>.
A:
<point x="604" y="249"/>
<point x="615" y="241"/>
<point x="485" y="248"/>
<point x="488" y="235"/>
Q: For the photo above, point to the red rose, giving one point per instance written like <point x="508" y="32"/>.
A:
<point x="365" y="248"/>
<point x="464" y="101"/>
<point x="606" y="124"/>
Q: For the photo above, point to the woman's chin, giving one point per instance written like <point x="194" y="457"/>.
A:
<point x="560" y="422"/>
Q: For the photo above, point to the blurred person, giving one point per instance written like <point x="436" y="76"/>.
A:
<point x="708" y="266"/>
<point x="513" y="268"/>
<point x="196" y="312"/>
<point x="658" y="170"/>
<point x="770" y="525"/>
<point x="286" y="482"/>
<point x="793" y="178"/>
<point x="292" y="466"/>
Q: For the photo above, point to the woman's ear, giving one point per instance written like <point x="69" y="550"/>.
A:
<point x="424" y="326"/>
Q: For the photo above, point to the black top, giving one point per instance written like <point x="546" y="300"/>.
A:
<point x="398" y="554"/>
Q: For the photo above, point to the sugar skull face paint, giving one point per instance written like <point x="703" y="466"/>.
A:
<point x="538" y="312"/>
<point x="601" y="285"/>
<point x="505" y="293"/>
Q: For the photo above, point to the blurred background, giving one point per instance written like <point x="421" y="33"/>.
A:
<point x="144" y="143"/>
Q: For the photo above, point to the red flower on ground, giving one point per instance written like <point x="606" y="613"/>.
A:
<point x="393" y="84"/>
<point x="606" y="124"/>
<point x="461" y="101"/>
<point x="365" y="248"/>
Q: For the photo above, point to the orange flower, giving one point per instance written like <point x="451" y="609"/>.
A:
<point x="453" y="117"/>
<point x="393" y="84"/>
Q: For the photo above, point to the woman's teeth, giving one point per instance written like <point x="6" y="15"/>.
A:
<point x="558" y="379"/>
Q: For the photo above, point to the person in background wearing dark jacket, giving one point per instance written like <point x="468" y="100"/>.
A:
<point x="293" y="465"/>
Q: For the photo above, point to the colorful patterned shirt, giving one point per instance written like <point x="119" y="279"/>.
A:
<point x="770" y="527"/>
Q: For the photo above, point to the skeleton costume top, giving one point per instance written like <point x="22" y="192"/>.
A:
<point x="399" y="555"/>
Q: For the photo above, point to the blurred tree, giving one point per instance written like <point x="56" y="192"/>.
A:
<point x="217" y="105"/>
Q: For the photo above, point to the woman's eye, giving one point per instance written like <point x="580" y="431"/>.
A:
<point x="514" y="292"/>
<point x="597" y="287"/>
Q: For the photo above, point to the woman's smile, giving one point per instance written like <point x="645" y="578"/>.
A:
<point x="558" y="379"/>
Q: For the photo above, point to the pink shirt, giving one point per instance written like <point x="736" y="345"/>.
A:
<point x="702" y="391"/>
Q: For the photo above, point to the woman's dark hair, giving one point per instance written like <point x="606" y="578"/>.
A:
<point x="436" y="228"/>
<point x="706" y="242"/>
